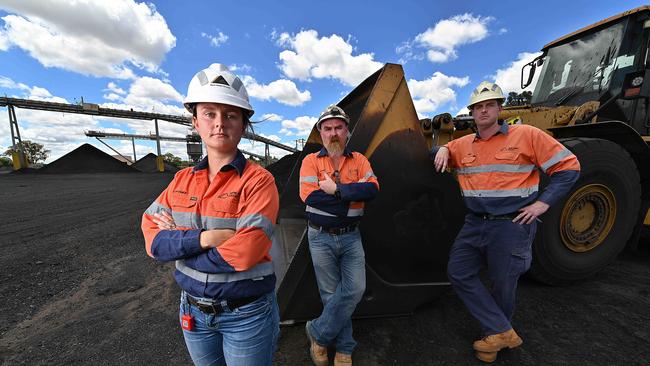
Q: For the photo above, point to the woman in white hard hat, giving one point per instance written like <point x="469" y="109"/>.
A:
<point x="215" y="221"/>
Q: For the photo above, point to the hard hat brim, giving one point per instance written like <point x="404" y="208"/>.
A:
<point x="479" y="100"/>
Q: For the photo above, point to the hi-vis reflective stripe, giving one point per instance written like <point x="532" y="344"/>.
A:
<point x="352" y="212"/>
<point x="556" y="158"/>
<point x="193" y="221"/>
<point x="355" y="212"/>
<point x="156" y="207"/>
<point x="256" y="220"/>
<point x="368" y="175"/>
<point x="498" y="168"/>
<point x="519" y="192"/>
<point x="260" y="270"/>
<point x="309" y="179"/>
<point x="210" y="222"/>
<point x="319" y="212"/>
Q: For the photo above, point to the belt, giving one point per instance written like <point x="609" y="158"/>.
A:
<point x="487" y="216"/>
<point x="334" y="230"/>
<point x="217" y="308"/>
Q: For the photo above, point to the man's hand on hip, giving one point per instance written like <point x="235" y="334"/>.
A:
<point x="529" y="213"/>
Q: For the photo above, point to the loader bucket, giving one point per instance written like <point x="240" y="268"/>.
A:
<point x="406" y="231"/>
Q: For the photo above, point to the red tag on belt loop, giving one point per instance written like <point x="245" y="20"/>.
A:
<point x="187" y="322"/>
<point x="187" y="319"/>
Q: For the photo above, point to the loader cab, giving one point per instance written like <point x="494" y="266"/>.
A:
<point x="590" y="65"/>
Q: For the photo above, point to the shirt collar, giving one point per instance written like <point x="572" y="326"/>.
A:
<point x="503" y="129"/>
<point x="239" y="163"/>
<point x="323" y="152"/>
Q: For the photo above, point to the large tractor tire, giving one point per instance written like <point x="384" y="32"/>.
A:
<point x="586" y="230"/>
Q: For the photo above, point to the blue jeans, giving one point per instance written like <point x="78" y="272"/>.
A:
<point x="505" y="248"/>
<point x="246" y="336"/>
<point x="339" y="264"/>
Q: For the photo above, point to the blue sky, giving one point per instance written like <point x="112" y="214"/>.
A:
<point x="296" y="57"/>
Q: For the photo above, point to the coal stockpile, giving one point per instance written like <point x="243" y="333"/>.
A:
<point x="147" y="164"/>
<point x="86" y="159"/>
<point x="78" y="289"/>
<point x="282" y="169"/>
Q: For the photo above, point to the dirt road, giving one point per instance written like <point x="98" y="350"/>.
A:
<point x="77" y="288"/>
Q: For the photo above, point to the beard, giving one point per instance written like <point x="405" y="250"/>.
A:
<point x="335" y="147"/>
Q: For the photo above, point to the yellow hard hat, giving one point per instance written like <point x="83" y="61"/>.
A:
<point x="485" y="91"/>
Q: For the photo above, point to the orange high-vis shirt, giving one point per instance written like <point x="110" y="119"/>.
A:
<point x="357" y="184"/>
<point x="242" y="197"/>
<point x="501" y="174"/>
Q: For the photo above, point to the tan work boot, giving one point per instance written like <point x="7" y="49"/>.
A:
<point x="342" y="359"/>
<point x="488" y="357"/>
<point x="317" y="352"/>
<point x="497" y="342"/>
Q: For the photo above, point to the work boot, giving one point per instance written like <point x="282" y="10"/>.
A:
<point x="317" y="352"/>
<point x="497" y="342"/>
<point x="488" y="357"/>
<point x="342" y="359"/>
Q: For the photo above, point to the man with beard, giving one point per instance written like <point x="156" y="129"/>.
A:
<point x="334" y="184"/>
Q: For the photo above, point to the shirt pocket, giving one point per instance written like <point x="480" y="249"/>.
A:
<point x="183" y="208"/>
<point x="468" y="160"/>
<point x="227" y="206"/>
<point x="182" y="202"/>
<point x="506" y="156"/>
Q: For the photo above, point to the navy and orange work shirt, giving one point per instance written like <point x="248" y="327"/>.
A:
<point x="242" y="197"/>
<point x="500" y="175"/>
<point x="356" y="183"/>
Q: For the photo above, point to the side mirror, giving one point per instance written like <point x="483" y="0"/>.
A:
<point x="528" y="69"/>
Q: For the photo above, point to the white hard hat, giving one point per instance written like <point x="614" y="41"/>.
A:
<point x="217" y="84"/>
<point x="332" y="111"/>
<point x="485" y="91"/>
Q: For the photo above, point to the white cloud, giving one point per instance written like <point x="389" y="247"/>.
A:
<point x="509" y="78"/>
<point x="300" y="126"/>
<point x="6" y="82"/>
<point x="114" y="88"/>
<point x="435" y="91"/>
<point x="271" y="117"/>
<point x="152" y="88"/>
<point x="325" y="57"/>
<point x="443" y="39"/>
<point x="99" y="38"/>
<point x="148" y="94"/>
<point x="283" y="90"/>
<point x="216" y="40"/>
<point x="112" y="97"/>
<point x="4" y="42"/>
<point x="242" y="68"/>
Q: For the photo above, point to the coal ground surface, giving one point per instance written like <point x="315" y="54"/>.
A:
<point x="77" y="288"/>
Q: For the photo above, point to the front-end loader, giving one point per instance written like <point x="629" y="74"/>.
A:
<point x="592" y="94"/>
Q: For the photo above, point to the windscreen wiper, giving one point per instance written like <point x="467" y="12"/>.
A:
<point x="567" y="96"/>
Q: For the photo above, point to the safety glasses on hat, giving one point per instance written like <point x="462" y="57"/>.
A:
<point x="332" y="111"/>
